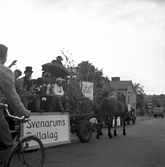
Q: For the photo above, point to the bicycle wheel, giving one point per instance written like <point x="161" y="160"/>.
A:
<point x="24" y="155"/>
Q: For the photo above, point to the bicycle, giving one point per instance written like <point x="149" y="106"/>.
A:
<point x="22" y="153"/>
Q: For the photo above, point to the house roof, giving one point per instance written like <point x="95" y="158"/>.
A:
<point x="121" y="85"/>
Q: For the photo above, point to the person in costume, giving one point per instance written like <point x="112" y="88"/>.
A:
<point x="60" y="95"/>
<point x="26" y="89"/>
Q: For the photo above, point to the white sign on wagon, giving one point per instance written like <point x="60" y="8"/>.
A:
<point x="87" y="89"/>
<point x="50" y="128"/>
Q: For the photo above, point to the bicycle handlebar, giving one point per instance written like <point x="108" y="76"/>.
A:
<point x="22" y="118"/>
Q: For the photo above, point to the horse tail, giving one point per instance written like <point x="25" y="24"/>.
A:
<point x="125" y="106"/>
<point x="125" y="113"/>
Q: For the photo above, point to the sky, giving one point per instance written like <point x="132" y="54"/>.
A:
<point x="124" y="38"/>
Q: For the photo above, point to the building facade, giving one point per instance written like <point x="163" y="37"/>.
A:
<point x="124" y="89"/>
<point x="152" y="100"/>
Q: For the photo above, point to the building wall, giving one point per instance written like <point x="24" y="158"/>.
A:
<point x="152" y="100"/>
<point x="130" y="96"/>
<point x="128" y="92"/>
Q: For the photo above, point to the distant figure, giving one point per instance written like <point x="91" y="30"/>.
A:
<point x="121" y="97"/>
<point x="158" y="105"/>
<point x="138" y="112"/>
<point x="58" y="60"/>
<point x="17" y="73"/>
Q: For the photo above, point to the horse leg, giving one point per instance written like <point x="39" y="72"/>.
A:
<point x="115" y="125"/>
<point x="99" y="122"/>
<point x="98" y="135"/>
<point x="109" y="128"/>
<point x="99" y="126"/>
<point x="100" y="132"/>
<point x="124" y="131"/>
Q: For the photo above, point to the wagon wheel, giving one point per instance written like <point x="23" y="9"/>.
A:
<point x="84" y="131"/>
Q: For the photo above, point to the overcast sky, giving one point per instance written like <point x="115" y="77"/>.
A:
<point x="124" y="38"/>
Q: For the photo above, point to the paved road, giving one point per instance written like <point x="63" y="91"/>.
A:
<point x="144" y="146"/>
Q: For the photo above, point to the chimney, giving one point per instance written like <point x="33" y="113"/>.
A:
<point x="115" y="78"/>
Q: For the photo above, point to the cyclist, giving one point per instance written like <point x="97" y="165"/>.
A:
<point x="7" y="89"/>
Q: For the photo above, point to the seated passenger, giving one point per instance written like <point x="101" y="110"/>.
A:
<point x="43" y="85"/>
<point x="74" y="81"/>
<point x="26" y="89"/>
<point x="60" y="95"/>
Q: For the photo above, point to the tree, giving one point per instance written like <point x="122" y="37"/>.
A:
<point x="88" y="72"/>
<point x="69" y="62"/>
<point x="140" y="95"/>
<point x="138" y="88"/>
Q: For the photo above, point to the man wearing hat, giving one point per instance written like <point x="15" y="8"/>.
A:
<point x="60" y="95"/>
<point x="7" y="89"/>
<point x="26" y="89"/>
<point x="58" y="60"/>
<point x="23" y="86"/>
<point x="74" y="81"/>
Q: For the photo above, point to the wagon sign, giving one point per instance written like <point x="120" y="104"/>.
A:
<point x="50" y="128"/>
<point x="87" y="89"/>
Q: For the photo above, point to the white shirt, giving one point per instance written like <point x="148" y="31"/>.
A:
<point x="58" y="90"/>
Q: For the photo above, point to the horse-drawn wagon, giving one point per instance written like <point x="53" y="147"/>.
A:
<point x="80" y="113"/>
<point x="80" y="107"/>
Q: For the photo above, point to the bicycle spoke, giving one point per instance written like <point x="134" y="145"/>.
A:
<point x="22" y="156"/>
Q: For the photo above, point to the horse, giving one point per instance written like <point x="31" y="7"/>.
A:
<point x="112" y="107"/>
